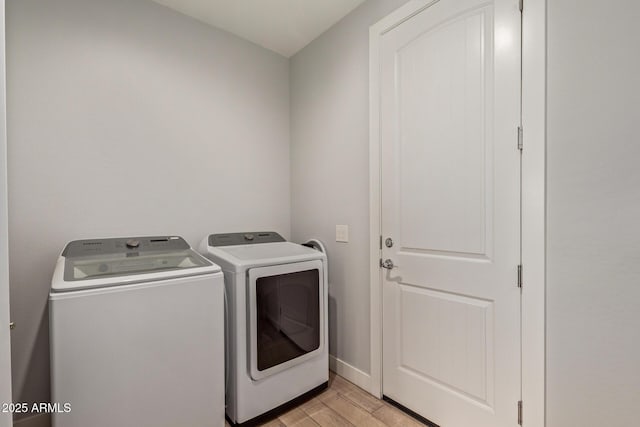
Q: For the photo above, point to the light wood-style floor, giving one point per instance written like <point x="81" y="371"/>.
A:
<point x="343" y="404"/>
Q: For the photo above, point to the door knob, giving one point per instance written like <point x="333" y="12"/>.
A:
<point x="387" y="263"/>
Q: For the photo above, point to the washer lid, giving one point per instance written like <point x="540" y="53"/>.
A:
<point x="110" y="262"/>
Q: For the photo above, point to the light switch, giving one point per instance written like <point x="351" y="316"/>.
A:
<point x="342" y="233"/>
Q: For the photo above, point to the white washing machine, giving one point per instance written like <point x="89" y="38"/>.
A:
<point x="277" y="321"/>
<point x="137" y="335"/>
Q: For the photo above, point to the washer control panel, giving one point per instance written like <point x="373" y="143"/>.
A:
<point x="124" y="245"/>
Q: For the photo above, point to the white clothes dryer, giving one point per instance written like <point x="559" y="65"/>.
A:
<point x="137" y="335"/>
<point x="276" y="321"/>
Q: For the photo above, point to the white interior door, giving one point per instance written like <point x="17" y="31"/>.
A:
<point x="5" y="339"/>
<point x="450" y="194"/>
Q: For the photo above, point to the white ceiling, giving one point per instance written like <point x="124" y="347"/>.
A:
<point x="284" y="26"/>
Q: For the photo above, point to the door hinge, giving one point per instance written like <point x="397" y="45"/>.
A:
<point x="520" y="5"/>
<point x="381" y="242"/>
<point x="520" y="138"/>
<point x="12" y="325"/>
<point x="519" y="412"/>
<point x="520" y="276"/>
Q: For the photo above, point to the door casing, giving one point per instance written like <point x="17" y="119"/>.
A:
<point x="533" y="201"/>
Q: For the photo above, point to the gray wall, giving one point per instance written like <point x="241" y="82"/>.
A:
<point x="126" y="118"/>
<point x="593" y="184"/>
<point x="330" y="168"/>
<point x="5" y="333"/>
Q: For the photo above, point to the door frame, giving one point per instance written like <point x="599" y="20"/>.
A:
<point x="5" y="333"/>
<point x="533" y="199"/>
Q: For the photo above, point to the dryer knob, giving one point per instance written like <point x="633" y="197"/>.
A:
<point x="132" y="243"/>
<point x="248" y="237"/>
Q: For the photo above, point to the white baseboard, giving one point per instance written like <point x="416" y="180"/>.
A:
<point x="350" y="373"/>
<point x="40" y="420"/>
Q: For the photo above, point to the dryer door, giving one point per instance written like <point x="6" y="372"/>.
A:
<point x="286" y="316"/>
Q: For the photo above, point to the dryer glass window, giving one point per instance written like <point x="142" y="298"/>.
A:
<point x="288" y="317"/>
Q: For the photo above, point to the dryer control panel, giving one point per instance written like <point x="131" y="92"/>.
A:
<point x="246" y="238"/>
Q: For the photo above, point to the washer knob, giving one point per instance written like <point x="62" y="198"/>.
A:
<point x="248" y="237"/>
<point x="132" y="243"/>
